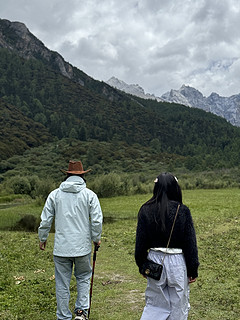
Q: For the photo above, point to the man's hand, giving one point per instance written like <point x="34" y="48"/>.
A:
<point x="97" y="243"/>
<point x="42" y="245"/>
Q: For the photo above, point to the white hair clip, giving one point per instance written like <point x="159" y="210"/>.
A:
<point x="176" y="178"/>
<point x="156" y="180"/>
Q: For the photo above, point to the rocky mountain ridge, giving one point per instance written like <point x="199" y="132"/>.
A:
<point x="133" y="89"/>
<point x="15" y="36"/>
<point x="226" y="107"/>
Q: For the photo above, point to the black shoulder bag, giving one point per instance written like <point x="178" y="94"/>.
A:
<point x="152" y="269"/>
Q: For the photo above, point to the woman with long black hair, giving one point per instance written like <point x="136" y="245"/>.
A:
<point x="162" y="215"/>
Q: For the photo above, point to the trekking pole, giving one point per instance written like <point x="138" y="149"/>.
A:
<point x="96" y="247"/>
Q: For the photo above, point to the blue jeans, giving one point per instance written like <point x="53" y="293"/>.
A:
<point x="63" y="274"/>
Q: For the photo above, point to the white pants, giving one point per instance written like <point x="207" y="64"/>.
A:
<point x="168" y="298"/>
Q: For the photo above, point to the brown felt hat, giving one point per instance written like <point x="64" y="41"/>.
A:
<point x="75" y="167"/>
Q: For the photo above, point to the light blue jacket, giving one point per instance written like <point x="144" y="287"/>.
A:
<point x="78" y="218"/>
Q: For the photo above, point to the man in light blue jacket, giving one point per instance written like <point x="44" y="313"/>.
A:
<point x="78" y="222"/>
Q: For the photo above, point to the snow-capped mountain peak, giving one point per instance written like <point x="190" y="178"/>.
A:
<point x="226" y="107"/>
<point x="133" y="89"/>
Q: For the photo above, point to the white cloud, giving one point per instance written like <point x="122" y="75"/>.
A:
<point x="158" y="44"/>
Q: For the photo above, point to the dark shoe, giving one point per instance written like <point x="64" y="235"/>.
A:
<point x="81" y="315"/>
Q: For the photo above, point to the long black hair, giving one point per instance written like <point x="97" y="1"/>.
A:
<point x="166" y="188"/>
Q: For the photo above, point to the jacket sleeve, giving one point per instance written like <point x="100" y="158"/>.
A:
<point x="141" y="245"/>
<point x="190" y="249"/>
<point x="47" y="216"/>
<point x="96" y="218"/>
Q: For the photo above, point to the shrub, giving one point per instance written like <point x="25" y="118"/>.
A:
<point x="34" y="182"/>
<point x="110" y="185"/>
<point x="143" y="188"/>
<point x="113" y="184"/>
<point x="27" y="223"/>
<point x="43" y="188"/>
<point x="19" y="185"/>
<point x="30" y="185"/>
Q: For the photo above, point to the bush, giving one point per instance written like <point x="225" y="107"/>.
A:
<point x="34" y="181"/>
<point x="143" y="188"/>
<point x="27" y="223"/>
<point x="113" y="184"/>
<point x="30" y="185"/>
<point x="19" y="185"/>
<point x="110" y="185"/>
<point x="43" y="188"/>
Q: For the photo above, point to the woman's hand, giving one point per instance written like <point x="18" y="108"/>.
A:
<point x="191" y="280"/>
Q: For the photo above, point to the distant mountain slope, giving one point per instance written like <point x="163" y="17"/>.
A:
<point x="226" y="107"/>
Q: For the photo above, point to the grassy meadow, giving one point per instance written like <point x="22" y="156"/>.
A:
<point x="27" y="287"/>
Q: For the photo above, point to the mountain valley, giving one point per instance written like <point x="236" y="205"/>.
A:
<point x="46" y="102"/>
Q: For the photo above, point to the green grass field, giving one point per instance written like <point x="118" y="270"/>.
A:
<point x="26" y="273"/>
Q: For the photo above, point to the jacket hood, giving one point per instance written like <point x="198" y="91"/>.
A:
<point x="73" y="184"/>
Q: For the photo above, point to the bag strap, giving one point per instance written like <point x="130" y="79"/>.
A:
<point x="171" y="232"/>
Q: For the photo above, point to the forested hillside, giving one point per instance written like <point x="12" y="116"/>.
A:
<point x="209" y="140"/>
<point x="19" y="133"/>
<point x="71" y="110"/>
<point x="66" y="109"/>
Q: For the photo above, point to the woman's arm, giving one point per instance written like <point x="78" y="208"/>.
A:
<point x="141" y="246"/>
<point x="190" y="249"/>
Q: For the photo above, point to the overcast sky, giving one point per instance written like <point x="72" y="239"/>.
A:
<point x="158" y="44"/>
